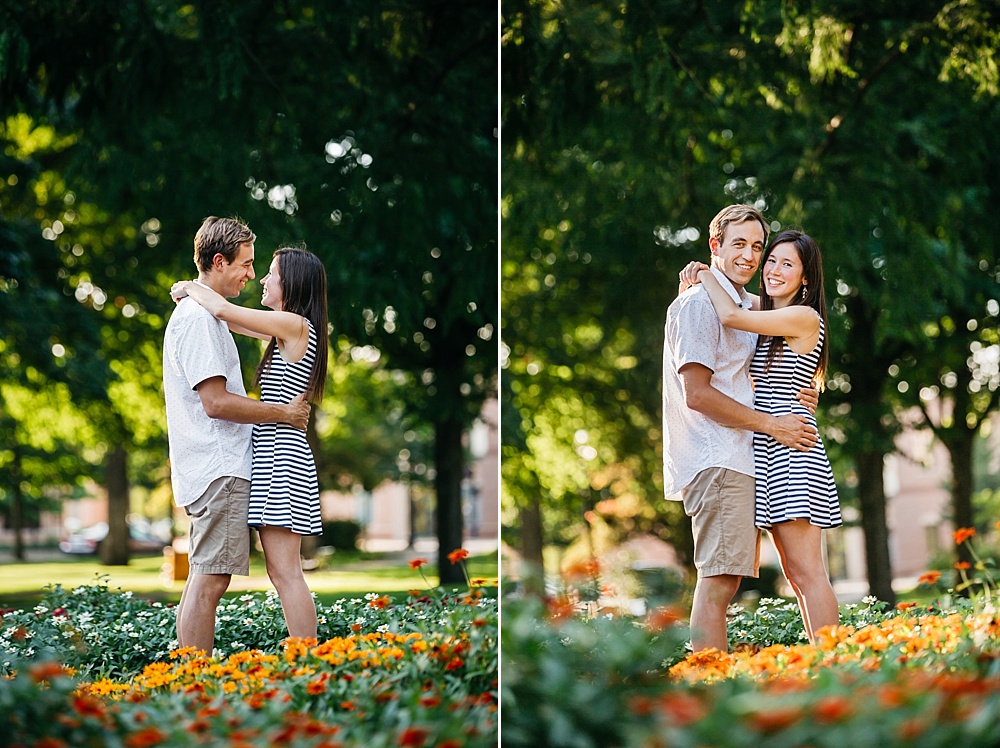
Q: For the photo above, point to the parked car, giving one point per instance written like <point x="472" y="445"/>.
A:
<point x="85" y="541"/>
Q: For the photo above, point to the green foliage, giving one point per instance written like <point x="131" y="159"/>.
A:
<point x="341" y="534"/>
<point x="569" y="682"/>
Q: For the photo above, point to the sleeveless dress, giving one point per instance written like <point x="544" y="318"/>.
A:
<point x="284" y="490"/>
<point x="790" y="484"/>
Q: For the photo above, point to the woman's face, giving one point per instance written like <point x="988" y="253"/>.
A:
<point x="783" y="274"/>
<point x="272" y="287"/>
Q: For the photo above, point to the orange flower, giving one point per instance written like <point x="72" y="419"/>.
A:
<point x="380" y="602"/>
<point x="832" y="709"/>
<point x="454" y="664"/>
<point x="929" y="577"/>
<point x="776" y="719"/>
<point x="316" y="687"/>
<point x="417" y="563"/>
<point x="683" y="709"/>
<point x="963" y="533"/>
<point x="659" y="618"/>
<point x="145" y="737"/>
<point x="962" y="565"/>
<point x="46" y="671"/>
<point x="459" y="554"/>
<point x="905" y="606"/>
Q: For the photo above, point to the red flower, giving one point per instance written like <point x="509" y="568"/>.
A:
<point x="414" y="737"/>
<point x="963" y="533"/>
<point x="87" y="706"/>
<point x="459" y="554"/>
<point x="962" y="565"/>
<point x="417" y="563"/>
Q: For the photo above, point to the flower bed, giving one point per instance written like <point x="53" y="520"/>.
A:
<point x="924" y="675"/>
<point x="93" y="666"/>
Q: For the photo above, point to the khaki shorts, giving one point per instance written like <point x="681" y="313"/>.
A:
<point x="220" y="536"/>
<point x="720" y="503"/>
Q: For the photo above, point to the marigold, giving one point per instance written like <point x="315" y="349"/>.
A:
<point x="963" y="533"/>
<point x="459" y="554"/>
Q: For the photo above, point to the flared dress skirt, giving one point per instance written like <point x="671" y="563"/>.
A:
<point x="284" y="489"/>
<point x="791" y="484"/>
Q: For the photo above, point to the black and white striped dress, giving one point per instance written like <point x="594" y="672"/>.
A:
<point x="284" y="490"/>
<point x="790" y="484"/>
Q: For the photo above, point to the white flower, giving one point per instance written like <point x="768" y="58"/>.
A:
<point x="383" y="628"/>
<point x="371" y="596"/>
<point x="246" y="598"/>
<point x="869" y="599"/>
<point x="128" y="593"/>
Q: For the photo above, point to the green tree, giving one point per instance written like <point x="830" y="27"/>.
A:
<point x="637" y="127"/>
<point x="364" y="130"/>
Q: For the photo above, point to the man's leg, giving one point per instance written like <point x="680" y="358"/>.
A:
<point x="196" y="612"/>
<point x="712" y="596"/>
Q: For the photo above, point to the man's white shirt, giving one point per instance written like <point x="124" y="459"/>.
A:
<point x="693" y="442"/>
<point x="196" y="347"/>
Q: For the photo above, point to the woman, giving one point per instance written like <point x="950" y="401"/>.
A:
<point x="284" y="491"/>
<point x="796" y="494"/>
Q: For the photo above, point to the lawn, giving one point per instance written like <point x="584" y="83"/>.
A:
<point x="22" y="584"/>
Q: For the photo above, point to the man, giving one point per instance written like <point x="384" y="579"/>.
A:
<point x="708" y="425"/>
<point x="209" y="425"/>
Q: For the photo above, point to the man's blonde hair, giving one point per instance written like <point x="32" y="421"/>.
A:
<point x="735" y="214"/>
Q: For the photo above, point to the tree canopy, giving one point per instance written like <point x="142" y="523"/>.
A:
<point x="627" y="128"/>
<point x="366" y="131"/>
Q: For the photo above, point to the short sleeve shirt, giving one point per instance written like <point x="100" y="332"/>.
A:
<point x="196" y="347"/>
<point x="693" y="442"/>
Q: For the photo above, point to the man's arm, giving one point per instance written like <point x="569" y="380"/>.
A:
<point x="792" y="430"/>
<point x="221" y="403"/>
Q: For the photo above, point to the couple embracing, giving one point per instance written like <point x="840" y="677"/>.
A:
<point x="741" y="381"/>
<point x="238" y="463"/>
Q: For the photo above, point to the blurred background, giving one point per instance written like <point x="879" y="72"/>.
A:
<point x="366" y="130"/>
<point x="627" y="126"/>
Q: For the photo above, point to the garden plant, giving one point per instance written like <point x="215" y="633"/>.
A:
<point x="95" y="666"/>
<point x="918" y="674"/>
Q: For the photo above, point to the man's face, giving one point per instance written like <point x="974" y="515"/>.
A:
<point x="236" y="274"/>
<point x="738" y="254"/>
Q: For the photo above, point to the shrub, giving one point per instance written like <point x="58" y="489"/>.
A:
<point x="341" y="534"/>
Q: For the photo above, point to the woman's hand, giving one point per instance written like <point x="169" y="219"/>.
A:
<point x="689" y="275"/>
<point x="179" y="290"/>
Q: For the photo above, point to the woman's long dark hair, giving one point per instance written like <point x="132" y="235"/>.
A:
<point x="812" y="275"/>
<point x="303" y="291"/>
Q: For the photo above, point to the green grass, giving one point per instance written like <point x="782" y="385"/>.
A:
<point x="22" y="585"/>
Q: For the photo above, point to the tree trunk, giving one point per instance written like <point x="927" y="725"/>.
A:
<point x="17" y="505"/>
<point x="448" y="464"/>
<point x="871" y="493"/>
<point x="960" y="450"/>
<point x="114" y="549"/>
<point x="532" y="541"/>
